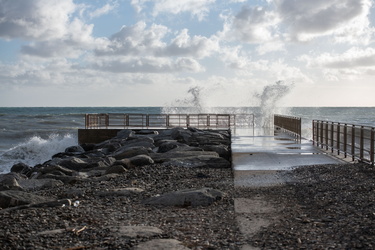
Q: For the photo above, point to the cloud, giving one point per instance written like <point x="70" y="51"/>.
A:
<point x="35" y="20"/>
<point x="252" y="25"/>
<point x="106" y="9"/>
<point x="184" y="45"/>
<point x="148" y="65"/>
<point x="352" y="58"/>
<point x="197" y="8"/>
<point x="355" y="63"/>
<point x="307" y="19"/>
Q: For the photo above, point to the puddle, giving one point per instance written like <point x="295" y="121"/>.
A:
<point x="293" y="147"/>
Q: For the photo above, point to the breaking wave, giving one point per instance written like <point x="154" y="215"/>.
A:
<point x="35" y="150"/>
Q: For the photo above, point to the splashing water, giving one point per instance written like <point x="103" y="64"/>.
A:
<point x="269" y="100"/>
<point x="36" y="150"/>
<point x="192" y="104"/>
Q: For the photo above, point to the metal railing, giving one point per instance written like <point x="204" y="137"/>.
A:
<point x="348" y="139"/>
<point x="217" y="121"/>
<point x="290" y="124"/>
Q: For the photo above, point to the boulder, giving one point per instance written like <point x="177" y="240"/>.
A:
<point x="12" y="198"/>
<point x="21" y="168"/>
<point x="116" y="169"/>
<point x="125" y="133"/>
<point x="185" y="198"/>
<point x="9" y="182"/>
<point x="221" y="149"/>
<point x="75" y="149"/>
<point x="168" y="145"/>
<point x="36" y="184"/>
<point x="128" y="152"/>
<point x="168" y="156"/>
<point x="141" y="160"/>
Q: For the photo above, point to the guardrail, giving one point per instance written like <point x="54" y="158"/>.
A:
<point x="290" y="124"/>
<point x="348" y="139"/>
<point x="217" y="121"/>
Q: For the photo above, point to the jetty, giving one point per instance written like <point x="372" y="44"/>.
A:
<point x="261" y="156"/>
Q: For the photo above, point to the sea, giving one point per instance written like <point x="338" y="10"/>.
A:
<point x="33" y="134"/>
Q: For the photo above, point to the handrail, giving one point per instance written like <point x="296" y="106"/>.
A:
<point x="130" y="120"/>
<point x="349" y="139"/>
<point x="290" y="124"/>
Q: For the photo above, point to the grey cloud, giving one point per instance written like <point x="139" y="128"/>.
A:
<point x="318" y="16"/>
<point x="148" y="65"/>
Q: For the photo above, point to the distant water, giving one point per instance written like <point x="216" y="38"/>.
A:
<point x="33" y="135"/>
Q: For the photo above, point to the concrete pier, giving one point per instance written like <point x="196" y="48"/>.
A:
<point x="261" y="158"/>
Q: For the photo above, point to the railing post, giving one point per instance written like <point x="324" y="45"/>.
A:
<point x="332" y="130"/>
<point x="326" y="135"/>
<point x="345" y="139"/>
<point x="353" y="142"/>
<point x="338" y="138"/>
<point x="361" y="144"/>
<point x="372" y="146"/>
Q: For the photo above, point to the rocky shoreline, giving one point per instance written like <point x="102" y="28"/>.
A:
<point x="135" y="191"/>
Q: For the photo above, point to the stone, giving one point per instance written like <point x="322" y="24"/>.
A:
<point x="168" y="145"/>
<point x="36" y="184"/>
<point x="161" y="244"/>
<point x="116" y="169"/>
<point x="20" y="168"/>
<point x="185" y="198"/>
<point x="12" y="198"/>
<point x="75" y="149"/>
<point x="221" y="149"/>
<point x="9" y="182"/>
<point x="125" y="133"/>
<point x="55" y="168"/>
<point x="168" y="156"/>
<point x="141" y="160"/>
<point x="127" y="152"/>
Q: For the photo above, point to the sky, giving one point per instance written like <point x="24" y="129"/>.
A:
<point x="161" y="52"/>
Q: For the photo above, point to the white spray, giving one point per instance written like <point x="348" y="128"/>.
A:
<point x="269" y="100"/>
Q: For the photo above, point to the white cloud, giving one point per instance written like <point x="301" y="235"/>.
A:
<point x="148" y="65"/>
<point x="306" y="19"/>
<point x="197" y="8"/>
<point x="135" y="40"/>
<point x="35" y="20"/>
<point x="184" y="45"/>
<point x="106" y="9"/>
<point x="252" y="25"/>
<point x="355" y="63"/>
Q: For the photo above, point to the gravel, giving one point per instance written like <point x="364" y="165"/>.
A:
<point x="326" y="207"/>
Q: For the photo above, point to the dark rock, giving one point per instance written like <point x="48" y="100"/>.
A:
<point x="88" y="146"/>
<point x="127" y="152"/>
<point x="188" y="197"/>
<point x="75" y="149"/>
<point x="35" y="184"/>
<point x="116" y="169"/>
<point x="222" y="150"/>
<point x="9" y="182"/>
<point x="12" y="198"/>
<point x="169" y="145"/>
<point x="125" y="133"/>
<point x="20" y="168"/>
<point x="141" y="160"/>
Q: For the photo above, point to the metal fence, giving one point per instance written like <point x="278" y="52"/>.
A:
<point x="215" y="121"/>
<point x="347" y="139"/>
<point x="290" y="124"/>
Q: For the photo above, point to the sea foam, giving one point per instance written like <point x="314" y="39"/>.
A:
<point x="35" y="150"/>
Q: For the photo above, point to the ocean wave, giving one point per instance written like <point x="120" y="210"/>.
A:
<point x="36" y="150"/>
